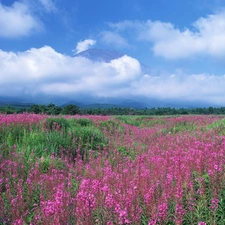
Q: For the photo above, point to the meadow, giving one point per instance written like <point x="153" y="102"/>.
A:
<point x="107" y="170"/>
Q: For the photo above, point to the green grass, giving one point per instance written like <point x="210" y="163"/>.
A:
<point x="52" y="137"/>
<point x="219" y="126"/>
<point x="142" y="121"/>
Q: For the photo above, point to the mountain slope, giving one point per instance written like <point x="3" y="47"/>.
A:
<point x="104" y="55"/>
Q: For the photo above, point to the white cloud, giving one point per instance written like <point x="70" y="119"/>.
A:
<point x="48" y="5"/>
<point x="184" y="87"/>
<point x="84" y="45"/>
<point x="206" y="36"/>
<point x="17" y="21"/>
<point x="48" y="72"/>
<point x="114" y="39"/>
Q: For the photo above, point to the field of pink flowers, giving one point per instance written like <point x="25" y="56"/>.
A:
<point x="105" y="170"/>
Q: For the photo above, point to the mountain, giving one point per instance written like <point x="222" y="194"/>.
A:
<point x="72" y="103"/>
<point x="9" y="100"/>
<point x="106" y="55"/>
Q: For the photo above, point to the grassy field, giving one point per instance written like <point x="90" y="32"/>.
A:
<point x="106" y="170"/>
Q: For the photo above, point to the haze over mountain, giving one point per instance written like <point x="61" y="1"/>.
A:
<point x="162" y="53"/>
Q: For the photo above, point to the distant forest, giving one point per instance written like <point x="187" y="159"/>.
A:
<point x="52" y="109"/>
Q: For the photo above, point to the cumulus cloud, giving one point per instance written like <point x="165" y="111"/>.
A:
<point x="114" y="39"/>
<point x="205" y="36"/>
<point x="45" y="71"/>
<point x="84" y="45"/>
<point x="17" y="21"/>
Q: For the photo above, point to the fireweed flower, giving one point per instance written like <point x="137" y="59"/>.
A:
<point x="152" y="222"/>
<point x="109" y="223"/>
<point x="18" y="222"/>
<point x="179" y="211"/>
<point x="162" y="168"/>
<point x="162" y="210"/>
<point x="214" y="204"/>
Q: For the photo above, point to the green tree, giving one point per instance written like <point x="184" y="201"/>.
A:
<point x="70" y="110"/>
<point x="52" y="109"/>
<point x="35" y="109"/>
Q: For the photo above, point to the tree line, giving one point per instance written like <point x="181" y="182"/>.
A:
<point x="52" y="109"/>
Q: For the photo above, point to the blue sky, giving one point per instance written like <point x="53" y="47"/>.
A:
<point x="182" y="41"/>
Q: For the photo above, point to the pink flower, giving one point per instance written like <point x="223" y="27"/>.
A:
<point x="109" y="223"/>
<point x="18" y="222"/>
<point x="214" y="204"/>
<point x="162" y="210"/>
<point x="152" y="222"/>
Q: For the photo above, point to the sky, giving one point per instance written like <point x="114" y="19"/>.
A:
<point x="183" y="42"/>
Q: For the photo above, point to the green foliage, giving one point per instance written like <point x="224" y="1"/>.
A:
<point x="44" y="164"/>
<point x="127" y="151"/>
<point x="50" y="109"/>
<point x="220" y="213"/>
<point x="59" y="136"/>
<point x="219" y="126"/>
<point x="111" y="126"/>
<point x="131" y="120"/>
<point x="141" y="121"/>
<point x="152" y="111"/>
<point x="179" y="127"/>
<point x="12" y="136"/>
<point x="57" y="124"/>
<point x="101" y="109"/>
<point x="84" y="122"/>
<point x="91" y="136"/>
<point x="70" y="110"/>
